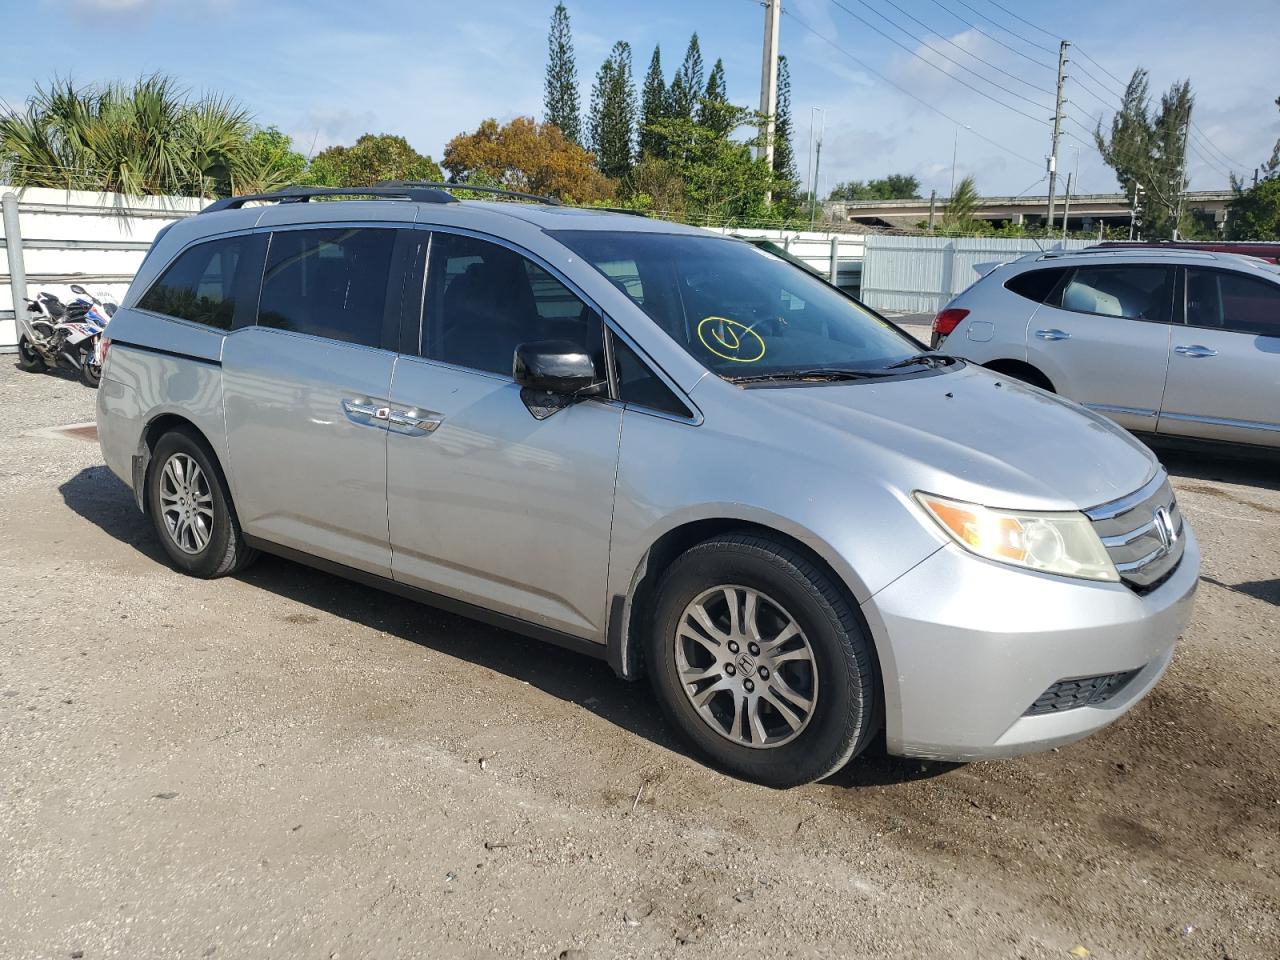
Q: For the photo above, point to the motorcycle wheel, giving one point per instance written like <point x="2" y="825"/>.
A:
<point x="90" y="372"/>
<point x="28" y="359"/>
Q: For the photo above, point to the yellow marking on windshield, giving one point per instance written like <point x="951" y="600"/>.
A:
<point x="733" y="338"/>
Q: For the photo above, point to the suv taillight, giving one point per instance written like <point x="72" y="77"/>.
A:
<point x="948" y="320"/>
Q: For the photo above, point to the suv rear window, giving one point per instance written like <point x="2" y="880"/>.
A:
<point x="200" y="285"/>
<point x="1035" y="285"/>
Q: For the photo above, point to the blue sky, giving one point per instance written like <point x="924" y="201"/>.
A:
<point x="327" y="71"/>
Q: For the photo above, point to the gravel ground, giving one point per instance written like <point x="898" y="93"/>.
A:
<point x="285" y="764"/>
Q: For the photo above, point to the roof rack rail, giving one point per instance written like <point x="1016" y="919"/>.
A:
<point x="496" y="191"/>
<point x="303" y="194"/>
<point x="1129" y="251"/>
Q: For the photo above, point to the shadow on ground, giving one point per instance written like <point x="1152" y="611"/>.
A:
<point x="1223" y="464"/>
<point x="101" y="498"/>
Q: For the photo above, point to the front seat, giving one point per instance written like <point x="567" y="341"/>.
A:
<point x="488" y="311"/>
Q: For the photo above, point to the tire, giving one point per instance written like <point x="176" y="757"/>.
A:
<point x="191" y="511"/>
<point x="28" y="359"/>
<point x="829" y="665"/>
<point x="90" y="373"/>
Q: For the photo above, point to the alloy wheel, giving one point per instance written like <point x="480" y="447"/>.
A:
<point x="746" y="666"/>
<point x="186" y="503"/>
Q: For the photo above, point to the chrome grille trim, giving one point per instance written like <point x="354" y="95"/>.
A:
<point x="1143" y="533"/>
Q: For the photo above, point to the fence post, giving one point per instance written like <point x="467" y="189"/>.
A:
<point x="948" y="273"/>
<point x="17" y="268"/>
<point x="835" y="260"/>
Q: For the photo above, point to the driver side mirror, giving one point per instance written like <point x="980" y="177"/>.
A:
<point x="554" y="374"/>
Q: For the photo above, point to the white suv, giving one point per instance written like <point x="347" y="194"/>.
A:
<point x="1183" y="343"/>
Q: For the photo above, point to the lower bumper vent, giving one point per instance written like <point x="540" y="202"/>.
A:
<point x="1080" y="692"/>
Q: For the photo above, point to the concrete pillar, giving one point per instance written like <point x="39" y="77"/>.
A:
<point x="835" y="260"/>
<point x="17" y="268"/>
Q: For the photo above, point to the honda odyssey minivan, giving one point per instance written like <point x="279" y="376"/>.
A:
<point x="658" y="446"/>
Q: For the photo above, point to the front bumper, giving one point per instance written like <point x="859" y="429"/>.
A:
<point x="966" y="646"/>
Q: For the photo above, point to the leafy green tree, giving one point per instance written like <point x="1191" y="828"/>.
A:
<point x="146" y="138"/>
<point x="268" y="162"/>
<point x="964" y="201"/>
<point x="1255" y="213"/>
<point x="784" y="154"/>
<point x="1146" y="146"/>
<point x="653" y="106"/>
<point x="688" y="84"/>
<point x="655" y="184"/>
<point x="613" y="113"/>
<point x="715" y="112"/>
<point x="1272" y="166"/>
<point x="560" y="98"/>
<point x="372" y="159"/>
<point x="896" y="186"/>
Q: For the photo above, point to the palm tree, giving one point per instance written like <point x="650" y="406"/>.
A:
<point x="148" y="138"/>
<point x="960" y="208"/>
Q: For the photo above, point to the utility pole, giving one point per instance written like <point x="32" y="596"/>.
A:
<point x="769" y="79"/>
<point x="817" y="165"/>
<point x="1066" y="204"/>
<point x="1182" y="174"/>
<point x="1057" y="126"/>
<point x="1135" y="217"/>
<point x="933" y="204"/>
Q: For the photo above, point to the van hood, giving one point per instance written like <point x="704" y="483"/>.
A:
<point x="969" y="434"/>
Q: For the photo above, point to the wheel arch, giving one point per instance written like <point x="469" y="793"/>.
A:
<point x="1026" y="372"/>
<point x="629" y="614"/>
<point x="156" y="428"/>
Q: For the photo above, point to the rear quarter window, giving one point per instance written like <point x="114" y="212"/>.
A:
<point x="200" y="286"/>
<point x="1036" y="285"/>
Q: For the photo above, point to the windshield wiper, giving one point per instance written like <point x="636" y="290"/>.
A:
<point x="927" y="359"/>
<point x="817" y="373"/>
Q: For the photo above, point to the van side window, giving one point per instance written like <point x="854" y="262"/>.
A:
<point x="328" y="283"/>
<point x="1136" y="292"/>
<point x="640" y="386"/>
<point x="200" y="285"/>
<point x="484" y="300"/>
<point x="1228" y="301"/>
<point x="1035" y="284"/>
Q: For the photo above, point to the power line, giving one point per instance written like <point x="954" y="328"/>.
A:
<point x="1031" y="43"/>
<point x="974" y="26"/>
<point x="949" y="41"/>
<point x="925" y="103"/>
<point x="1016" y="16"/>
<point x="949" y="76"/>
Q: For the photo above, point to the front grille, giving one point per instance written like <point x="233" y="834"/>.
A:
<point x="1143" y="534"/>
<point x="1080" y="692"/>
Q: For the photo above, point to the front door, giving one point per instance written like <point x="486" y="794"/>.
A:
<point x="1103" y="339"/>
<point x="305" y="392"/>
<point x="486" y="503"/>
<point x="1224" y="372"/>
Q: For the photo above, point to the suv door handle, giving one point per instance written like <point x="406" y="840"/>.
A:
<point x="415" y="420"/>
<point x="364" y="408"/>
<point x="1196" y="350"/>
<point x="1053" y="334"/>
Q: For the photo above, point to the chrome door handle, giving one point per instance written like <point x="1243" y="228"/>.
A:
<point x="1196" y="350"/>
<point x="365" y="408"/>
<point x="415" y="420"/>
<point x="1053" y="334"/>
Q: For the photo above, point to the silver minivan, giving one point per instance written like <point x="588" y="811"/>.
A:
<point x="659" y="446"/>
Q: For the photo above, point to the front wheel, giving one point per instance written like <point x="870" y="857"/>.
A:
<point x="191" y="508"/>
<point x="760" y="661"/>
<point x="90" y="372"/>
<point x="28" y="359"/>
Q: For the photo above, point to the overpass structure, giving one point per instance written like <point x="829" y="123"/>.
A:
<point x="1086" y="213"/>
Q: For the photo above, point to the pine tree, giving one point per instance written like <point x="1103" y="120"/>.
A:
<point x="714" y="112"/>
<point x="688" y="83"/>
<point x="613" y="113"/>
<point x="653" y="107"/>
<point x="561" y="105"/>
<point x="784" y="154"/>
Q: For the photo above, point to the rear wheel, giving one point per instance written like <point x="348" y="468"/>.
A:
<point x="191" y="508"/>
<point x="28" y="359"/>
<point x="1021" y="371"/>
<point x="760" y="661"/>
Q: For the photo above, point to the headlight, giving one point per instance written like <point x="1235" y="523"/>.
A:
<point x="1063" y="543"/>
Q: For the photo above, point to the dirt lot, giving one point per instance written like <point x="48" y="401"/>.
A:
<point x="288" y="765"/>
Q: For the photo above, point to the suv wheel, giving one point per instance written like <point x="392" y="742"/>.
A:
<point x="191" y="509"/>
<point x="760" y="661"/>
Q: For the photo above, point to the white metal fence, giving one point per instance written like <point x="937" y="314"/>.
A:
<point x="816" y="248"/>
<point x="920" y="274"/>
<point x="75" y="236"/>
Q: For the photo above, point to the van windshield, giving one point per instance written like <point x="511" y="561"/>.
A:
<point x="739" y="310"/>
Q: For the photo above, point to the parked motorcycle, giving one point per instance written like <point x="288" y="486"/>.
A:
<point x="68" y="334"/>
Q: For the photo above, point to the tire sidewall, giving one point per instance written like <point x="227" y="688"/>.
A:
<point x="28" y="359"/>
<point x="208" y="561"/>
<point x="844" y="710"/>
